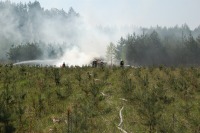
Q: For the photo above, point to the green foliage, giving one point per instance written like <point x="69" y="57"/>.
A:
<point x="158" y="47"/>
<point x="30" y="51"/>
<point x="110" y="53"/>
<point x="46" y="99"/>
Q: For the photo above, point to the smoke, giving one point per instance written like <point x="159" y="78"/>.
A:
<point x="8" y="26"/>
<point x="75" y="56"/>
<point x="31" y="23"/>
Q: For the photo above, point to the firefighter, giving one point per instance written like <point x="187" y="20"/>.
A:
<point x="121" y="63"/>
<point x="94" y="63"/>
<point x="63" y="65"/>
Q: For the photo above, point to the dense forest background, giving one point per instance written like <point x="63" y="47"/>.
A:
<point x="28" y="27"/>
<point x="161" y="46"/>
<point x="29" y="32"/>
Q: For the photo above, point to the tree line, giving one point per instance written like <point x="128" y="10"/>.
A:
<point x="32" y="51"/>
<point x="24" y="23"/>
<point x="161" y="46"/>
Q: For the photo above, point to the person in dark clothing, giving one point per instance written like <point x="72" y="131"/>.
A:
<point x="94" y="63"/>
<point x="121" y="63"/>
<point x="63" y="65"/>
<point x="102" y="64"/>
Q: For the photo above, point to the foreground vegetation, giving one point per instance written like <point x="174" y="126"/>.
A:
<point x="89" y="100"/>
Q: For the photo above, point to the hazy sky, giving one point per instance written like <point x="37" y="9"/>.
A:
<point x="143" y="13"/>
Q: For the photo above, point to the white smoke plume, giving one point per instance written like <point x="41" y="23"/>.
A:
<point x="83" y="41"/>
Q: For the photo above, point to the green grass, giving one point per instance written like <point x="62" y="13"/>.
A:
<point x="88" y="100"/>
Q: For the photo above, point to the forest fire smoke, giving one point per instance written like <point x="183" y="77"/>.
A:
<point x="80" y="40"/>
